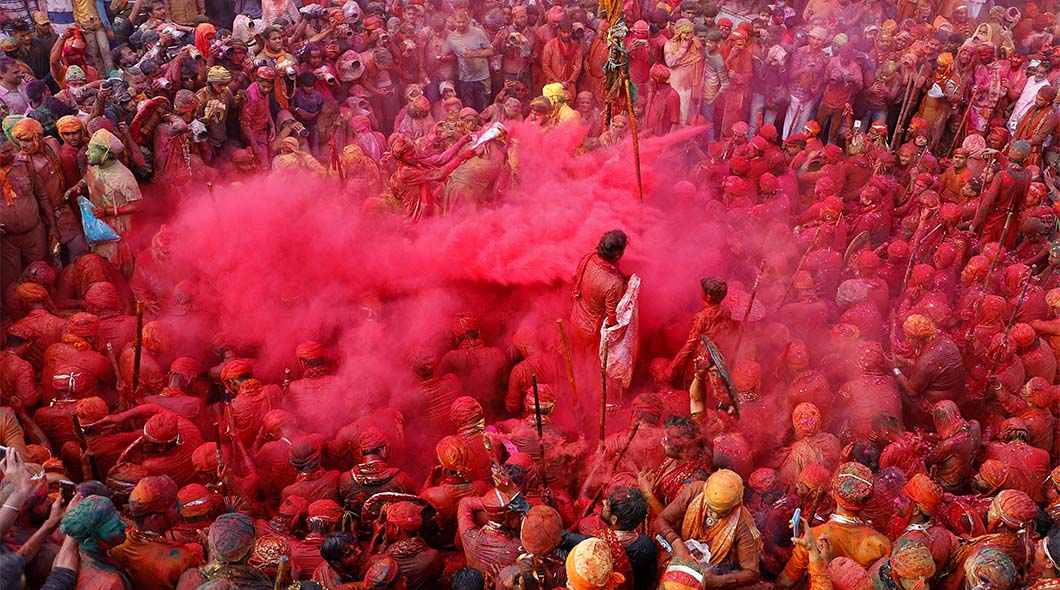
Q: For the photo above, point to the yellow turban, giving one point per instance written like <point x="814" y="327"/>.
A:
<point x="919" y="326"/>
<point x="554" y="91"/>
<point x="723" y="490"/>
<point x="69" y="124"/>
<point x="27" y="129"/>
<point x="683" y="26"/>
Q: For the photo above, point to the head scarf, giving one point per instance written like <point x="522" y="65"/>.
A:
<point x="90" y="410"/>
<point x="26" y="129"/>
<point x="28" y="293"/>
<point x="201" y="41"/>
<point x="682" y="573"/>
<point x="231" y="538"/>
<point x="723" y="490"/>
<point x="162" y="428"/>
<point x="407" y="516"/>
<point x="218" y="75"/>
<point x="153" y="494"/>
<point x="589" y="566"/>
<point x="82" y="325"/>
<point x="852" y="486"/>
<point x="84" y="521"/>
<point x="204" y="457"/>
<point x="924" y="492"/>
<point x="913" y="561"/>
<point x="75" y="74"/>
<point x="1013" y="508"/>
<point x="806" y="419"/>
<point x="989" y="566"/>
<point x="105" y="139"/>
<point x="542" y="530"/>
<point x="193" y="501"/>
<point x="454" y="454"/>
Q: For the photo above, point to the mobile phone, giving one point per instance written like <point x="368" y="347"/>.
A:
<point x="3" y="452"/>
<point x="857" y="125"/>
<point x="796" y="520"/>
<point x="67" y="489"/>
<point x="664" y="543"/>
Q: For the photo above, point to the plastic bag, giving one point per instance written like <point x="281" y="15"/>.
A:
<point x="623" y="338"/>
<point x="96" y="232"/>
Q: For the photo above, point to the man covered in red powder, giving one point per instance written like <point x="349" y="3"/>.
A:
<point x="598" y="287"/>
<point x="166" y="445"/>
<point x="313" y="481"/>
<point x="493" y="546"/>
<point x="372" y="474"/>
<point x="713" y="321"/>
<point x="451" y="482"/>
<point x="251" y="400"/>
<point x="77" y="353"/>
<point x="308" y="398"/>
<point x="1005" y="194"/>
<point x="433" y="394"/>
<point x="936" y="372"/>
<point x="685" y="462"/>
<point x="40" y="328"/>
<point x="482" y="369"/>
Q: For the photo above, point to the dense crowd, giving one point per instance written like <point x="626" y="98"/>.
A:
<point x="867" y="396"/>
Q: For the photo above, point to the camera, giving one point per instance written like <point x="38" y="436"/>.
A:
<point x="299" y="130"/>
<point x="163" y="83"/>
<point x="194" y="53"/>
<point x="289" y="71"/>
<point x="173" y="32"/>
<point x="322" y="73"/>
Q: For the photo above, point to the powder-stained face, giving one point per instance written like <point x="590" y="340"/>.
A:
<point x="111" y="533"/>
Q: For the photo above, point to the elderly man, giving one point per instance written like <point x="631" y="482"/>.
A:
<point x="713" y="514"/>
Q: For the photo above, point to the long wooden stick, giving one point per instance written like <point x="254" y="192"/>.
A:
<point x="567" y="360"/>
<point x="603" y="392"/>
<point x="747" y="312"/>
<point x="139" y="347"/>
<point x="633" y="128"/>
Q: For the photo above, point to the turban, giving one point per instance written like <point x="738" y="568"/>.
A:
<point x="989" y="567"/>
<point x="542" y="530"/>
<point x="90" y="410"/>
<point x="311" y="350"/>
<point x="407" y="516"/>
<point x="290" y="143"/>
<point x="797" y="356"/>
<point x="660" y="73"/>
<point x="466" y="411"/>
<point x="845" y="333"/>
<point x="868" y="260"/>
<point x="852" y="486"/>
<point x="293" y="506"/>
<point x="153" y="494"/>
<point x="1052" y="298"/>
<point x="204" y="457"/>
<point x="1013" y="508"/>
<point x="162" y="428"/>
<point x="554" y="92"/>
<point x="105" y="139"/>
<point x="193" y="501"/>
<point x="740" y="128"/>
<point x="123" y="477"/>
<point x="327" y="511"/>
<point x="185" y="366"/>
<point x="723" y="490"/>
<point x="1038" y="392"/>
<point x="769" y="132"/>
<point x="922" y="274"/>
<point x="919" y="326"/>
<point x="82" y="324"/>
<point x="806" y="419"/>
<point x="554" y="15"/>
<point x="274" y="420"/>
<point x="811" y="129"/>
<point x="371" y="439"/>
<point x="898" y="249"/>
<point x="454" y="454"/>
<point x="546" y="398"/>
<point x="747" y="375"/>
<point x="814" y="476"/>
<point x="682" y="573"/>
<point x="994" y="473"/>
<point x="802" y="280"/>
<point x="924" y="492"/>
<point x="28" y="293"/>
<point x="871" y="357"/>
<point x="1011" y="426"/>
<point x="39" y="272"/>
<point x="763" y="480"/>
<point x="185" y="101"/>
<point x="102" y="296"/>
<point x="912" y="560"/>
<point x="268" y="550"/>
<point x="236" y="368"/>
<point x="818" y="33"/>
<point x="381" y="573"/>
<point x="231" y="538"/>
<point x="1023" y="334"/>
<point x="305" y="454"/>
<point x="26" y="129"/>
<point x="589" y="566"/>
<point x="85" y="521"/>
<point x="75" y="74"/>
<point x="760" y="142"/>
<point x="154" y="339"/>
<point x="847" y="574"/>
<point x="648" y="404"/>
<point x="1047" y="92"/>
<point x="267" y="73"/>
<point x="218" y="75"/>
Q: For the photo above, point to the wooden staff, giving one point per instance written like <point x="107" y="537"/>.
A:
<point x="993" y="267"/>
<point x="960" y="129"/>
<point x="567" y="360"/>
<point x="281" y="572"/>
<point x="614" y="466"/>
<point x="540" y="431"/>
<point x="138" y="353"/>
<point x="603" y="391"/>
<point x="1011" y="322"/>
<point x="900" y="128"/>
<point x="633" y="128"/>
<point x="747" y="312"/>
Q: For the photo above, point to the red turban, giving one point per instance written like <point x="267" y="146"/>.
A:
<point x="806" y="419"/>
<point x="327" y="511"/>
<point x="405" y="515"/>
<point x="463" y="323"/>
<point x="102" y="296"/>
<point x="371" y="439"/>
<point x="204" y="457"/>
<point x="648" y="404"/>
<point x="236" y="368"/>
<point x="1010" y="426"/>
<point x="154" y="493"/>
<point x="382" y="571"/>
<point x="154" y="338"/>
<point x="871" y="357"/>
<point x="852" y="486"/>
<point x="193" y="501"/>
<point x="465" y="411"/>
<point x="454" y="454"/>
<point x="913" y="561"/>
<point x="274" y="420"/>
<point x="847" y="574"/>
<point x="868" y="261"/>
<point x="304" y="453"/>
<point x="924" y="492"/>
<point x="293" y="506"/>
<point x="1023" y="334"/>
<point x="1013" y="508"/>
<point x="845" y="333"/>
<point x="797" y="357"/>
<point x="747" y="375"/>
<point x="994" y="473"/>
<point x="90" y="410"/>
<point x="311" y="350"/>
<point x="814" y="476"/>
<point x="40" y="272"/>
<point x="951" y="212"/>
<point x="82" y="325"/>
<point x="898" y="249"/>
<point x="542" y="530"/>
<point x="186" y="366"/>
<point x="162" y="428"/>
<point x="763" y="480"/>
<point x="27" y="293"/>
<point x="660" y="73"/>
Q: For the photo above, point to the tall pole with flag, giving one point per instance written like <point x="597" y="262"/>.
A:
<point x="616" y="76"/>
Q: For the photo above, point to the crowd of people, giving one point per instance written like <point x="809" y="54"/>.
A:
<point x="866" y="398"/>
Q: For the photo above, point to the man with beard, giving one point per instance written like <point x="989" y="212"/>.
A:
<point x="686" y="461"/>
<point x="1037" y="124"/>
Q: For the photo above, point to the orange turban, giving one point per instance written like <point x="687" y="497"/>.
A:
<point x="236" y="368"/>
<point x="924" y="492"/>
<point x="919" y="326"/>
<point x="913" y="561"/>
<point x="162" y="428"/>
<point x="466" y="412"/>
<point x="69" y="124"/>
<point x="204" y="457"/>
<point x="806" y="419"/>
<point x="723" y="490"/>
<point x="193" y="501"/>
<point x="311" y="350"/>
<point x="154" y="338"/>
<point x="589" y="566"/>
<point x="747" y="375"/>
<point x="994" y="473"/>
<point x="155" y="493"/>
<point x="1013" y="508"/>
<point x="90" y="410"/>
<point x="327" y="511"/>
<point x="31" y="293"/>
<point x="542" y="530"/>
<point x="454" y="454"/>
<point x="27" y="129"/>
<point x="407" y="516"/>
<point x="814" y="476"/>
<point x="797" y="356"/>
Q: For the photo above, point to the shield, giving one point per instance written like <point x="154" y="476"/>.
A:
<point x="723" y="373"/>
<point x="374" y="506"/>
<point x="860" y="241"/>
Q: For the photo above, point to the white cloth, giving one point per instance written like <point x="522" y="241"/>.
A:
<point x="1025" y="101"/>
<point x="623" y="339"/>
